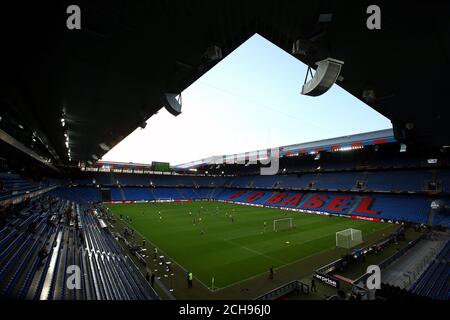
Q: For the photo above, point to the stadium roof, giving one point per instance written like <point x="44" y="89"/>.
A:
<point x="109" y="77"/>
<point x="354" y="141"/>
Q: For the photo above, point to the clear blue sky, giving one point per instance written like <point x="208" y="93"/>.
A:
<point x="251" y="100"/>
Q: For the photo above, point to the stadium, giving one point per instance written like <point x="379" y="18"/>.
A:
<point x="361" y="216"/>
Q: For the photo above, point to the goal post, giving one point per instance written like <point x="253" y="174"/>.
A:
<point x="283" y="224"/>
<point x="348" y="238"/>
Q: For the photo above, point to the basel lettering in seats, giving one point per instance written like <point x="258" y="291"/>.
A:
<point x="333" y="203"/>
<point x="255" y="196"/>
<point x="237" y="194"/>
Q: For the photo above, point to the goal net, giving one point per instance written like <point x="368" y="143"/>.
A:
<point x="283" y="224"/>
<point x="164" y="200"/>
<point x="348" y="238"/>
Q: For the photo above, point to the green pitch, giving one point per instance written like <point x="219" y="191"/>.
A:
<point x="211" y="243"/>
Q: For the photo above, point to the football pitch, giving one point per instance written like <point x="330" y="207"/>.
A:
<point x="230" y="242"/>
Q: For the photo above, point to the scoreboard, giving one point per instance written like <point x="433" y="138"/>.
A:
<point x="161" y="166"/>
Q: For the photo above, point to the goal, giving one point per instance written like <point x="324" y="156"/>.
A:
<point x="164" y="200"/>
<point x="283" y="224"/>
<point x="348" y="238"/>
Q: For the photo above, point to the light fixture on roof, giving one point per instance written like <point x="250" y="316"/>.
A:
<point x="143" y="124"/>
<point x="104" y="146"/>
<point x="369" y="95"/>
<point x="300" y="47"/>
<point x="345" y="148"/>
<point x="63" y="118"/>
<point x="403" y="147"/>
<point x="409" y="125"/>
<point x="325" y="17"/>
<point x="213" y="53"/>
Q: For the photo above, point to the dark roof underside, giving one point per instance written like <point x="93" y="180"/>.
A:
<point x="110" y="76"/>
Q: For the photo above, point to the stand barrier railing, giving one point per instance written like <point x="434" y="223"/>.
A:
<point x="295" y="286"/>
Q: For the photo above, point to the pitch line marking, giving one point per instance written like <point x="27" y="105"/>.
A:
<point x="243" y="280"/>
<point x="253" y="251"/>
<point x="181" y="267"/>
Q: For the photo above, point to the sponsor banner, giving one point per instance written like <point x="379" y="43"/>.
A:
<point x="126" y="201"/>
<point x="327" y="279"/>
<point x="322" y="213"/>
<point x="148" y="201"/>
<point x="366" y="218"/>
<point x="356" y="217"/>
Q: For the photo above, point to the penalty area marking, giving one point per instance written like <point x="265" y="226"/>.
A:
<point x="251" y="250"/>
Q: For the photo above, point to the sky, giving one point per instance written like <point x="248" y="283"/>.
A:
<point x="249" y="101"/>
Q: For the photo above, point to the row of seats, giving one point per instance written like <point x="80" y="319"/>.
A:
<point x="109" y="275"/>
<point x="390" y="292"/>
<point x="367" y="205"/>
<point x="384" y="181"/>
<point x="435" y="281"/>
<point x="396" y="181"/>
<point x="126" y="179"/>
<point x="22" y="246"/>
<point x="92" y="194"/>
<point x="372" y="206"/>
<point x="37" y="248"/>
<point x="78" y="195"/>
<point x="12" y="184"/>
